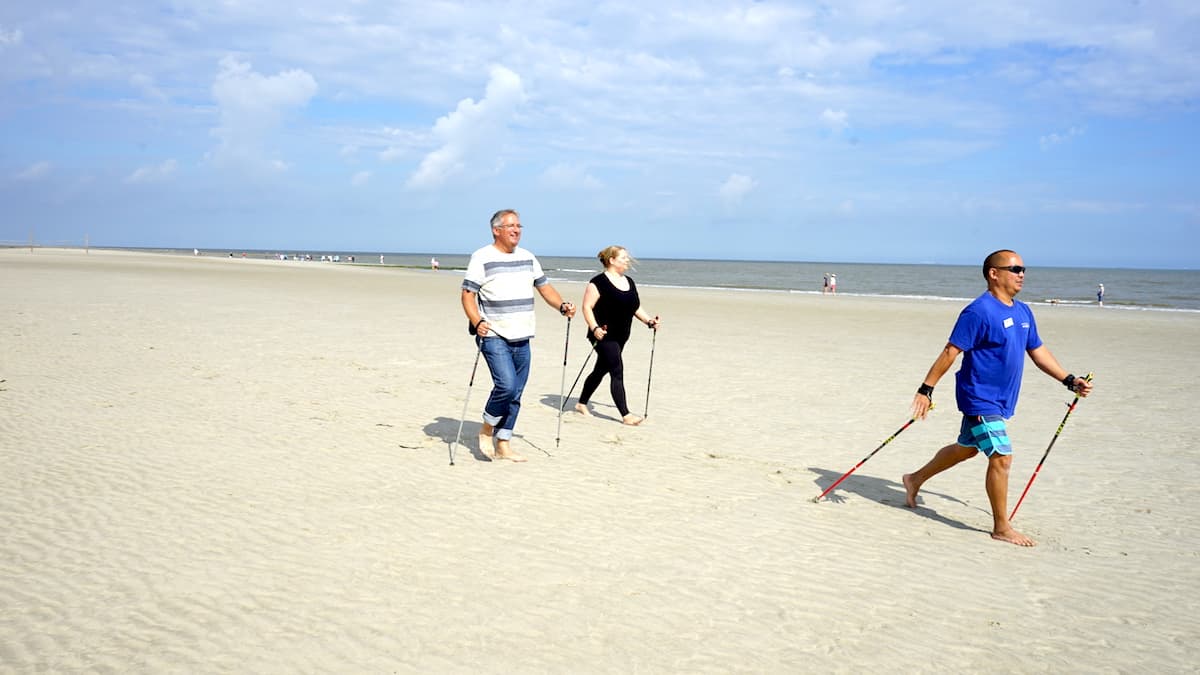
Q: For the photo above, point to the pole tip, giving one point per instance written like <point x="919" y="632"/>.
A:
<point x="817" y="499"/>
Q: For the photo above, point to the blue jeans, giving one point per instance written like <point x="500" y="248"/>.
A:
<point x="509" y="365"/>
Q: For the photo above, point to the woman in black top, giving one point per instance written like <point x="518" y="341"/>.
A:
<point x="610" y="304"/>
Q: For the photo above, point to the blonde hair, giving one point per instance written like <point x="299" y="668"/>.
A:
<point x="609" y="252"/>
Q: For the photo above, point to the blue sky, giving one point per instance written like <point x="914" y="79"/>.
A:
<point x="873" y="131"/>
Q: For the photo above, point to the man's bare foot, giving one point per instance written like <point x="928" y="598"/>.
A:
<point x="631" y="419"/>
<point x="582" y="409"/>
<point x="1013" y="537"/>
<point x="503" y="451"/>
<point x="911" y="489"/>
<point x="485" y="441"/>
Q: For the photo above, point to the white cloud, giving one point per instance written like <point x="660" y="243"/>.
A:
<point x="360" y="178"/>
<point x="152" y="174"/>
<point x="1090" y="206"/>
<point x="400" y="143"/>
<point x="735" y="188"/>
<point x="566" y="176"/>
<point x="252" y="106"/>
<point x="666" y="97"/>
<point x="1050" y="140"/>
<point x="10" y="37"/>
<point x="836" y="120"/>
<point x="145" y="84"/>
<point x="472" y="132"/>
<point x="34" y="171"/>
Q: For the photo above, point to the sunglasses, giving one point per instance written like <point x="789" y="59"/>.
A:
<point x="1015" y="269"/>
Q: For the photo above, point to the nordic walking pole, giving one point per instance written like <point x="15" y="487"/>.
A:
<point x="864" y="459"/>
<point x="650" y="372"/>
<point x="562" y="401"/>
<point x="463" y="418"/>
<point x="1070" y="409"/>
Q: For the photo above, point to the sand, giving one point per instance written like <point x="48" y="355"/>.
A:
<point x="216" y="465"/>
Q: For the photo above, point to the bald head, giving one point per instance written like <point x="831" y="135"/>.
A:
<point x="996" y="259"/>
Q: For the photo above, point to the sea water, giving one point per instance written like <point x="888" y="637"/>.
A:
<point x="1129" y="289"/>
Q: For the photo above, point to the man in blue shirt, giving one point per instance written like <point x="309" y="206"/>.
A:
<point x="994" y="332"/>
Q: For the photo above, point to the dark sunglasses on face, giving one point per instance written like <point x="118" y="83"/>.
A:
<point x="1015" y="269"/>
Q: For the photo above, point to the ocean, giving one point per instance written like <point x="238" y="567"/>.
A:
<point x="1130" y="289"/>
<point x="1125" y="289"/>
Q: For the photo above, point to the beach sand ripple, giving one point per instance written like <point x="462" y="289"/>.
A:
<point x="218" y="465"/>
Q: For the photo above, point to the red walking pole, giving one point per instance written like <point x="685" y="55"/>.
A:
<point x="864" y="459"/>
<point x="1070" y="409"/>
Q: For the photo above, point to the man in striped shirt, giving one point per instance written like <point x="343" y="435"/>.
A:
<point x="497" y="296"/>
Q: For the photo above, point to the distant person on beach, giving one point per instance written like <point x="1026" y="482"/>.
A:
<point x="381" y="260"/>
<point x="833" y="283"/>
<point x="497" y="296"/>
<point x="1100" y="294"/>
<point x="994" y="332"/>
<point x="433" y="264"/>
<point x="610" y="303"/>
<point x="825" y="284"/>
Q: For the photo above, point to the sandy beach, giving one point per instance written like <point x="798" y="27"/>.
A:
<point x="227" y="465"/>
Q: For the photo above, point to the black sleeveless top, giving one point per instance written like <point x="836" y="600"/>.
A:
<point x="615" y="308"/>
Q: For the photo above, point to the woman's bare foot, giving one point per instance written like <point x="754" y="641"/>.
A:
<point x="485" y="441"/>
<point x="631" y="419"/>
<point x="1013" y="537"/>
<point x="582" y="409"/>
<point x="503" y="451"/>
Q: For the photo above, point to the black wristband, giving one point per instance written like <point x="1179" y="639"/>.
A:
<point x="562" y="308"/>
<point x="478" y="324"/>
<point x="1069" y="381"/>
<point x="926" y="391"/>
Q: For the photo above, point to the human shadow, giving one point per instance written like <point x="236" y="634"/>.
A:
<point x="446" y="429"/>
<point x="557" y="401"/>
<point x="888" y="492"/>
<point x="553" y="401"/>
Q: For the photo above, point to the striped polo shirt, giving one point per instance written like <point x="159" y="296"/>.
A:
<point x="503" y="284"/>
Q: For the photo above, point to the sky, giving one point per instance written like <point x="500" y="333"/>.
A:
<point x="858" y="131"/>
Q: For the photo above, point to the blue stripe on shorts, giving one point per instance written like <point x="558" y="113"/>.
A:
<point x="986" y="433"/>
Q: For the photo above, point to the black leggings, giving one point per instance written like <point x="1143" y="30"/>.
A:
<point x="608" y="362"/>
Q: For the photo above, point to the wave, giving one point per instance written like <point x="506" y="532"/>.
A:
<point x="1049" y="302"/>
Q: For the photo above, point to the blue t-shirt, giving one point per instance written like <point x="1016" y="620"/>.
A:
<point x="994" y="338"/>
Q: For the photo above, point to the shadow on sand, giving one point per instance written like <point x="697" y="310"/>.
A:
<point x="552" y="401"/>
<point x="445" y="429"/>
<point x="887" y="492"/>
